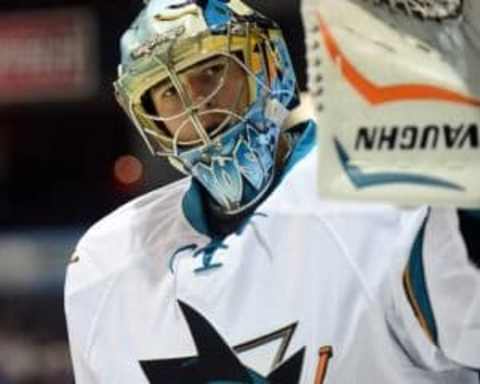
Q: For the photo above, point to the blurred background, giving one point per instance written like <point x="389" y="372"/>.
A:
<point x="68" y="156"/>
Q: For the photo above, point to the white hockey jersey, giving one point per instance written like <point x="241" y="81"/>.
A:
<point x="307" y="292"/>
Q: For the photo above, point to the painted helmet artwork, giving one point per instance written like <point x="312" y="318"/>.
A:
<point x="208" y="84"/>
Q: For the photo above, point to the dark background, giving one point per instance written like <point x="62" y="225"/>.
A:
<point x="57" y="178"/>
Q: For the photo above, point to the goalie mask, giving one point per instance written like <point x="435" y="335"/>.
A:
<point x="208" y="84"/>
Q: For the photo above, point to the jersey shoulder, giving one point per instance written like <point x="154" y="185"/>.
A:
<point x="373" y="236"/>
<point x="151" y="223"/>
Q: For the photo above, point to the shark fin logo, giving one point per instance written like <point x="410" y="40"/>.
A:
<point x="216" y="362"/>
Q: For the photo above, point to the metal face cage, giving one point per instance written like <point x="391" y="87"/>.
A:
<point x="213" y="56"/>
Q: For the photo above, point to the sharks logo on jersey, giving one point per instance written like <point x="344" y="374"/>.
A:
<point x="216" y="361"/>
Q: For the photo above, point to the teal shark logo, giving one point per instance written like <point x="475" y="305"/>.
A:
<point x="216" y="362"/>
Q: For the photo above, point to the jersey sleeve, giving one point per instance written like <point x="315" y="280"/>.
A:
<point x="81" y="305"/>
<point x="437" y="294"/>
<point x="81" y="370"/>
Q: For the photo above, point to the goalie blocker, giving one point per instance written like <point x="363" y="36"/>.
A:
<point x="397" y="98"/>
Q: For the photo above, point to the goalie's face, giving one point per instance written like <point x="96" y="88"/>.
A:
<point x="203" y="99"/>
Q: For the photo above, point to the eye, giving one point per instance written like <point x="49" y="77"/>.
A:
<point x="169" y="92"/>
<point x="214" y="70"/>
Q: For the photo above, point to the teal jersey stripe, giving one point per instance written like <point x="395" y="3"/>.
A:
<point x="418" y="282"/>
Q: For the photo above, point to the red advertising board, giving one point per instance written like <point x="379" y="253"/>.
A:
<point x="47" y="55"/>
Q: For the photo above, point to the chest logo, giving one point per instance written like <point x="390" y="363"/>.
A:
<point x="217" y="362"/>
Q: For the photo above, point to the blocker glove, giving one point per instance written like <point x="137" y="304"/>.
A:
<point x="396" y="90"/>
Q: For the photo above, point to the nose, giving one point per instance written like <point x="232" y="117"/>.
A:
<point x="198" y="87"/>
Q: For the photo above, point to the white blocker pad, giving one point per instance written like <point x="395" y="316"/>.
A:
<point x="396" y="92"/>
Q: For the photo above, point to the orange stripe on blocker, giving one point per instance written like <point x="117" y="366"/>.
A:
<point x="376" y="94"/>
